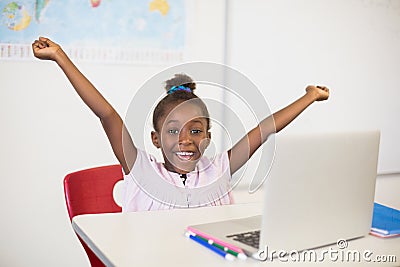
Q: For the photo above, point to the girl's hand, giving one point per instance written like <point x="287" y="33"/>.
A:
<point x="45" y="49"/>
<point x="319" y="93"/>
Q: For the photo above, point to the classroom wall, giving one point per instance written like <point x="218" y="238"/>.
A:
<point x="47" y="132"/>
<point x="352" y="46"/>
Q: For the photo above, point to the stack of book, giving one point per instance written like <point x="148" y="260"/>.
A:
<point x="385" y="221"/>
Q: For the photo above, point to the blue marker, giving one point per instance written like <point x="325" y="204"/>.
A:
<point x="220" y="252"/>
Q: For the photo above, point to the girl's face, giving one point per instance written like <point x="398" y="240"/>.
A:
<point x="183" y="137"/>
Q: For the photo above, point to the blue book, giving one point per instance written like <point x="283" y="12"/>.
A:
<point x="385" y="220"/>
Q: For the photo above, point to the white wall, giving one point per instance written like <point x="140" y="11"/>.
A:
<point x="47" y="132"/>
<point x="352" y="46"/>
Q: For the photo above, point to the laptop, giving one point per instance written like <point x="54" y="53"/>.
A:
<point x="320" y="189"/>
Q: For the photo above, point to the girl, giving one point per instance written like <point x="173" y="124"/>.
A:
<point x="181" y="131"/>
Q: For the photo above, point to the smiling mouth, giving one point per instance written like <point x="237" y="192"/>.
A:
<point x="184" y="155"/>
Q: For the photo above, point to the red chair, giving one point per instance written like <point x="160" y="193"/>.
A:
<point x="89" y="192"/>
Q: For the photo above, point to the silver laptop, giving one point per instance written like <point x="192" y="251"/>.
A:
<point x="320" y="189"/>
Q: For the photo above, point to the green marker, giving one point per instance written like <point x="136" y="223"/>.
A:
<point x="211" y="242"/>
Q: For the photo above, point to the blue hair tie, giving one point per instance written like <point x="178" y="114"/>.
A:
<point x="179" y="88"/>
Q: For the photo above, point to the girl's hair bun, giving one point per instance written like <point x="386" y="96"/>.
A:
<point x="179" y="90"/>
<point x="180" y="79"/>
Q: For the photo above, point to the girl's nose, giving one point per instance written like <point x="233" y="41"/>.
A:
<point x="184" y="138"/>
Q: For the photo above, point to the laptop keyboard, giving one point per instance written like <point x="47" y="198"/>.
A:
<point x="249" y="238"/>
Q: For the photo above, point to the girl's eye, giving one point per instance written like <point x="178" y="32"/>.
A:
<point x="173" y="131"/>
<point x="195" y="131"/>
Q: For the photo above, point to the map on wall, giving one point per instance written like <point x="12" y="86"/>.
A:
<point x="117" y="31"/>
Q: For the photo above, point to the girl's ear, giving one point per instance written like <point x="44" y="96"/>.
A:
<point x="208" y="141"/>
<point x="205" y="142"/>
<point x="155" y="139"/>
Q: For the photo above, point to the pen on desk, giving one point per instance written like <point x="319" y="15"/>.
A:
<point x="220" y="252"/>
<point x="225" y="244"/>
<point x="240" y="255"/>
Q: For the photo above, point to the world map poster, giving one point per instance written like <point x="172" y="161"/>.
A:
<point x="116" y="31"/>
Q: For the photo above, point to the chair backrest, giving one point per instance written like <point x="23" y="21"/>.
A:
<point x="89" y="192"/>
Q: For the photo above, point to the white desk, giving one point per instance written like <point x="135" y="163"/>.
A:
<point x="157" y="238"/>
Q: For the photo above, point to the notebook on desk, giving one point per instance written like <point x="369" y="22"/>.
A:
<point x="320" y="189"/>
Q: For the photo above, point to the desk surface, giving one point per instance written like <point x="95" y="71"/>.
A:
<point x="157" y="239"/>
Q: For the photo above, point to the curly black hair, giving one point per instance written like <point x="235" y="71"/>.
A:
<point x="179" y="97"/>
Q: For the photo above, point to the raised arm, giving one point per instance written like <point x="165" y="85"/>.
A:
<point x="112" y="123"/>
<point x="245" y="148"/>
